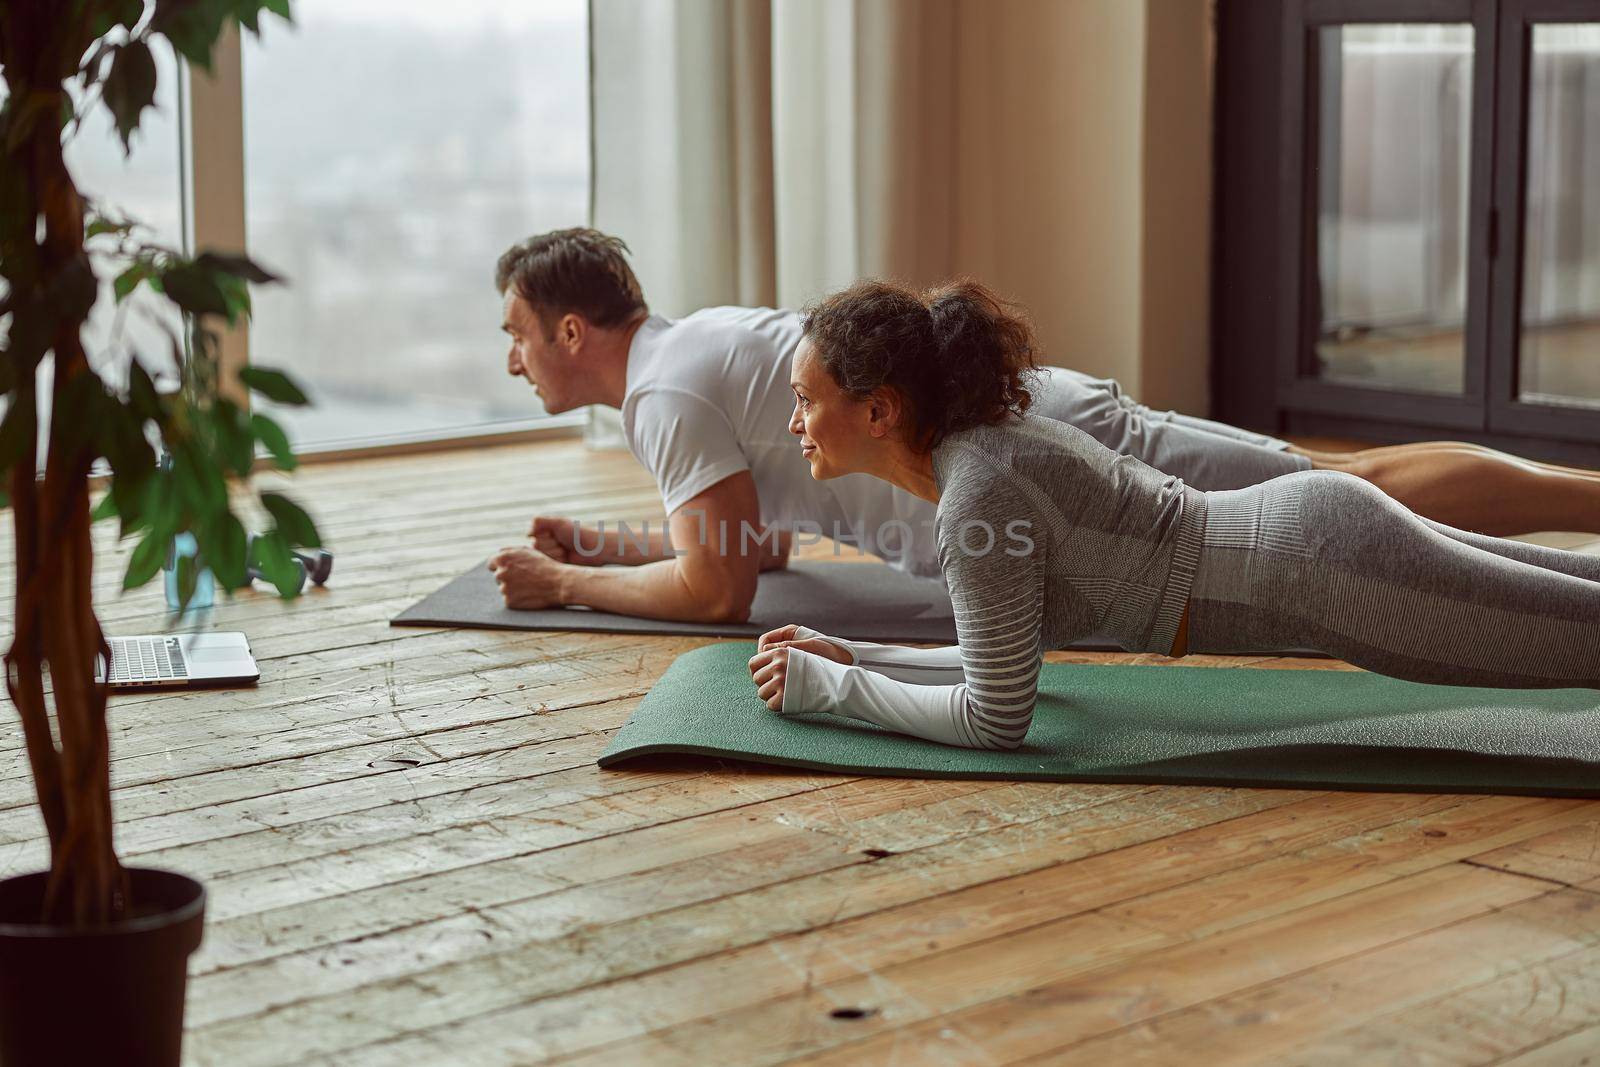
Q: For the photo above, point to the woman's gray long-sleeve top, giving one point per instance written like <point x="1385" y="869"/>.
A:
<point x="1044" y="536"/>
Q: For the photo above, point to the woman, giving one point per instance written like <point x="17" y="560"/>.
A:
<point x="1046" y="535"/>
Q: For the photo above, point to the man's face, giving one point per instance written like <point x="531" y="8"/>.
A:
<point x="541" y="359"/>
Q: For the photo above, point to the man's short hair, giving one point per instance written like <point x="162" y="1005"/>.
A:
<point x="579" y="270"/>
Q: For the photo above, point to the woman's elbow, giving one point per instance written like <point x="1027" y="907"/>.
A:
<point x="1005" y="735"/>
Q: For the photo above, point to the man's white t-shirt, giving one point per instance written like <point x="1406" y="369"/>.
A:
<point x="708" y="396"/>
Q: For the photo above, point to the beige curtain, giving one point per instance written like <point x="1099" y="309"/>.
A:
<point x="767" y="151"/>
<point x="683" y="146"/>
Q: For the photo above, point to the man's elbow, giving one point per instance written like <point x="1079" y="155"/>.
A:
<point x="728" y="609"/>
<point x="717" y="593"/>
<point x="723" y="605"/>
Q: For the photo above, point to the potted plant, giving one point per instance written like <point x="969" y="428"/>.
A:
<point x="93" y="955"/>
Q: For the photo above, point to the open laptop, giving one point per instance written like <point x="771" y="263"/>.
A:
<point x="180" y="661"/>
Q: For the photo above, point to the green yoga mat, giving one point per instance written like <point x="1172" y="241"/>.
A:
<point x="1302" y="729"/>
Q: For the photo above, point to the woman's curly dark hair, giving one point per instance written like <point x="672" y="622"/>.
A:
<point x="958" y="354"/>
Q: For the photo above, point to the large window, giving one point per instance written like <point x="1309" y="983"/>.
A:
<point x="393" y="149"/>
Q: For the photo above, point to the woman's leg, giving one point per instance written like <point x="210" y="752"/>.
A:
<point x="1577" y="564"/>
<point x="1473" y="488"/>
<point x="1325" y="560"/>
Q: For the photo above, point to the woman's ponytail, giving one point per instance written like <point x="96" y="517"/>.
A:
<point x="984" y="350"/>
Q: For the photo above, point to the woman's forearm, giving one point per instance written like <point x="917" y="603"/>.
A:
<point x="943" y="713"/>
<point x="918" y="666"/>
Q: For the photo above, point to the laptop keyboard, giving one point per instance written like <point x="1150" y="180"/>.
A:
<point x="146" y="659"/>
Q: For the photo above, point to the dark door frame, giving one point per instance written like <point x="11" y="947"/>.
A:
<point x="1263" y="327"/>
<point x="1298" y="387"/>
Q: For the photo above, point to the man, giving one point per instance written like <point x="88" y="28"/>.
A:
<point x="705" y="404"/>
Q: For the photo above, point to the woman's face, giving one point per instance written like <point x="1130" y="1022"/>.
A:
<point x="838" y="434"/>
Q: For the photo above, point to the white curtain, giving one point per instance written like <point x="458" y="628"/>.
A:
<point x="765" y="152"/>
<point x="761" y="151"/>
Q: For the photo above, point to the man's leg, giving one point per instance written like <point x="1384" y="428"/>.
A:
<point x="1331" y="459"/>
<point x="1192" y="449"/>
<point x="1474" y="488"/>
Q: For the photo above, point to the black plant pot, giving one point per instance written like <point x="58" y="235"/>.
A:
<point x="102" y="995"/>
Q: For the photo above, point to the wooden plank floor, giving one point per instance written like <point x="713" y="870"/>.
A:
<point x="412" y="859"/>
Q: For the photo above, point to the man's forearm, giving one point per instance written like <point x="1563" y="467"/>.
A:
<point x="648" y="543"/>
<point x="623" y="543"/>
<point x="658" y="590"/>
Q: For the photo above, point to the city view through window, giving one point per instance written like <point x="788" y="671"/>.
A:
<point x="392" y="151"/>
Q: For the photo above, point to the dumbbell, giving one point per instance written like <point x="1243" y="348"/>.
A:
<point x="318" y="563"/>
<point x="313" y="563"/>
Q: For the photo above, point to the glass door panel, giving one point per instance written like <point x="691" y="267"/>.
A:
<point x="1559" y="341"/>
<point x="1393" y="163"/>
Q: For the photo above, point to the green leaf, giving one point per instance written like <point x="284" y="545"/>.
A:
<point x="272" y="437"/>
<point x="99" y="224"/>
<point x="109" y="13"/>
<point x="279" y="8"/>
<point x="238" y="266"/>
<point x="129" y="280"/>
<point x="188" y="569"/>
<point x="194" y="289"/>
<point x="236" y="294"/>
<point x="119" y="434"/>
<point x="106" y="509"/>
<point x="146" y="559"/>
<point x="199" y="483"/>
<point x="192" y="26"/>
<point x="130" y="88"/>
<point x="222" y="544"/>
<point x="122" y="441"/>
<point x="159" y="508"/>
<point x="276" y="562"/>
<point x="142" y="395"/>
<point x="292" y="520"/>
<point x="234" y="438"/>
<point x="128" y="496"/>
<point x="273" y="384"/>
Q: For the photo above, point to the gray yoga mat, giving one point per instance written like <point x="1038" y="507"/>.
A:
<point x="856" y="601"/>
<point x="860" y="601"/>
<point x="1300" y="729"/>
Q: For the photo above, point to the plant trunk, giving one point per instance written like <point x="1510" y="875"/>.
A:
<point x="55" y="621"/>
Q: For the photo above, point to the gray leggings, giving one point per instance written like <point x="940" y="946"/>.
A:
<point x="1206" y="455"/>
<point x="1326" y="560"/>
